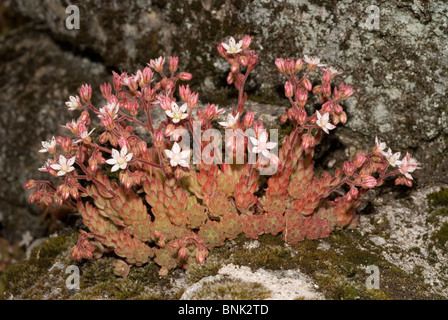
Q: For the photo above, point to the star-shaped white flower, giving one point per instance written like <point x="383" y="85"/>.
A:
<point x="26" y="239"/>
<point x="120" y="159"/>
<point x="233" y="47"/>
<point x="64" y="166"/>
<point x="111" y="109"/>
<point x="324" y="122"/>
<point x="178" y="157"/>
<point x="262" y="145"/>
<point x="392" y="158"/>
<point x="230" y="122"/>
<point x="313" y="61"/>
<point x="408" y="165"/>
<point x="333" y="71"/>
<point x="74" y="103"/>
<point x="177" y="113"/>
<point x="49" y="146"/>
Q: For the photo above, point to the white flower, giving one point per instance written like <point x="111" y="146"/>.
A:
<point x="74" y="103"/>
<point x="49" y="146"/>
<point x="392" y="158"/>
<point x="232" y="47"/>
<point x="120" y="159"/>
<point x="334" y="71"/>
<point x="84" y="136"/>
<point x="324" y="122"/>
<point x="379" y="146"/>
<point x="44" y="168"/>
<point x="231" y="121"/>
<point x="262" y="145"/>
<point x="313" y="61"/>
<point x="64" y="166"/>
<point x="408" y="164"/>
<point x="26" y="239"/>
<point x="111" y="109"/>
<point x="176" y="112"/>
<point x="177" y="157"/>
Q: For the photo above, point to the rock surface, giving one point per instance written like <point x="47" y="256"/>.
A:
<point x="399" y="71"/>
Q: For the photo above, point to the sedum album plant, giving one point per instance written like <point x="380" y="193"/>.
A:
<point x="147" y="203"/>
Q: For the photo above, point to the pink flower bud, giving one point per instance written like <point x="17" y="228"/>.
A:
<point x="338" y="109"/>
<point x="165" y="103"/>
<point x="184" y="92"/>
<point x="302" y="117"/>
<point x="302" y="96"/>
<point x="193" y="100"/>
<point x="343" y="117"/>
<point x="122" y="141"/>
<point x="307" y="84"/>
<point x="326" y="77"/>
<point x="85" y="92"/>
<point x="106" y="90"/>
<point x="327" y="107"/>
<point x="289" y="91"/>
<point x="93" y="164"/>
<point x="66" y="144"/>
<point x="347" y="91"/>
<point x="244" y="61"/>
<point x="222" y="51"/>
<point x="158" y="139"/>
<point x="368" y="182"/>
<point x="249" y="119"/>
<point x="308" y="141"/>
<point x="117" y="81"/>
<point x="326" y="89"/>
<point x="280" y="64"/>
<point x="178" y="174"/>
<point x="230" y="78"/>
<point x="174" y="61"/>
<point x="299" y="65"/>
<point x="132" y="107"/>
<point x="185" y="76"/>
<point x="335" y="118"/>
<point x="349" y="168"/>
<point x="246" y="42"/>
<point x="234" y="67"/>
<point x="290" y="66"/>
<point x="107" y="122"/>
<point x="183" y="252"/>
<point x="284" y="117"/>
<point x="360" y="160"/>
<point x="354" y="192"/>
<point x="317" y="90"/>
<point x="258" y="128"/>
<point x="31" y="184"/>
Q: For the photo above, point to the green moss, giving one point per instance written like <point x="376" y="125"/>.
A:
<point x="441" y="236"/>
<point x="228" y="289"/>
<point x="439" y="198"/>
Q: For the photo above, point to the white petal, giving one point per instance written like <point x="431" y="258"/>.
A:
<point x="115" y="153"/>
<point x="175" y="148"/>
<point x="175" y="120"/>
<point x="124" y="151"/>
<point x="271" y="145"/>
<point x="254" y="141"/>
<point x="129" y="156"/>
<point x="184" y="116"/>
<point x="62" y="160"/>
<point x="326" y="130"/>
<point x="319" y="116"/>
<point x="184" y="163"/>
<point x="224" y="124"/>
<point x="169" y="153"/>
<point x="266" y="153"/>
<point x="185" y="154"/>
<point x="183" y="108"/>
<point x="169" y="113"/>
<point x="173" y="163"/>
<point x="71" y="161"/>
<point x="111" y="161"/>
<point x="70" y="169"/>
<point x="263" y="137"/>
<point x="115" y="168"/>
<point x="55" y="166"/>
<point x="225" y="46"/>
<point x="123" y="166"/>
<point x="255" y="150"/>
<point x="61" y="173"/>
<point x="330" y="126"/>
